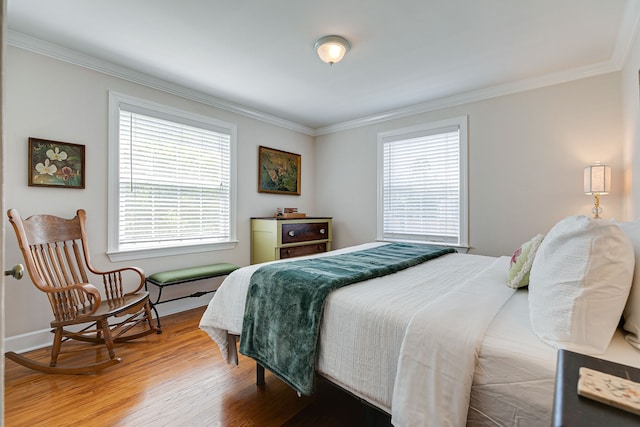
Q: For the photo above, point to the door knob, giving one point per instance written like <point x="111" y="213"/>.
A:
<point x="16" y="272"/>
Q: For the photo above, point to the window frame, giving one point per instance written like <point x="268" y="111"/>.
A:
<point x="114" y="251"/>
<point x="430" y="128"/>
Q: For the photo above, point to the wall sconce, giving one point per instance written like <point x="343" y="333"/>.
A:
<point x="331" y="49"/>
<point x="597" y="181"/>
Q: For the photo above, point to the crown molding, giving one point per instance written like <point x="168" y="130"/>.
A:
<point x="52" y="50"/>
<point x="626" y="35"/>
<point x="473" y="96"/>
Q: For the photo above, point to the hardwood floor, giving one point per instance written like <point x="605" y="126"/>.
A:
<point x="177" y="378"/>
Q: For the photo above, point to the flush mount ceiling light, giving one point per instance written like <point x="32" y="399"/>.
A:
<point x="331" y="49"/>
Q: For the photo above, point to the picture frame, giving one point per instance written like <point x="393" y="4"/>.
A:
<point x="278" y="171"/>
<point x="56" y="164"/>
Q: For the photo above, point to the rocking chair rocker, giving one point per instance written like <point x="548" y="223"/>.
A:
<point x="56" y="254"/>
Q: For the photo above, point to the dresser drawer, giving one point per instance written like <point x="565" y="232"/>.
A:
<point x="295" y="251"/>
<point x="304" y="232"/>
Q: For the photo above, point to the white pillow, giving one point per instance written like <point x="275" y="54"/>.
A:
<point x="579" y="283"/>
<point x="631" y="311"/>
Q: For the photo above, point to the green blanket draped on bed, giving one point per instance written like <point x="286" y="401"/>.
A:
<point x="285" y="301"/>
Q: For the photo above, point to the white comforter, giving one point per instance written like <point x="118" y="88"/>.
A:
<point x="364" y="324"/>
<point x="440" y="349"/>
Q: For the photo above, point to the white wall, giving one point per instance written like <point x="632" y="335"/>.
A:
<point x="630" y="91"/>
<point x="526" y="156"/>
<point x="55" y="100"/>
<point x="527" y="153"/>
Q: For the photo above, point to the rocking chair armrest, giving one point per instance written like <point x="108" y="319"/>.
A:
<point x="91" y="292"/>
<point x="136" y="270"/>
<point x="140" y="273"/>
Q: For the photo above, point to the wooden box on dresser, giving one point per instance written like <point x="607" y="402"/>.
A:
<point x="278" y="238"/>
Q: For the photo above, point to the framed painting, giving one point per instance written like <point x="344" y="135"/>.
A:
<point x="278" y="171"/>
<point x="55" y="164"/>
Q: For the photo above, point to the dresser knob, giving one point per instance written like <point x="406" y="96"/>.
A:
<point x="291" y="233"/>
<point x="322" y="231"/>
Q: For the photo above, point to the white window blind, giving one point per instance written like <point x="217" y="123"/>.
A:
<point x="174" y="181"/>
<point x="423" y="185"/>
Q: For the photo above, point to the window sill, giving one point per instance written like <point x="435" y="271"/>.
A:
<point x="168" y="251"/>
<point x="459" y="248"/>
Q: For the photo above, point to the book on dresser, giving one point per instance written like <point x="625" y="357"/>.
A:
<point x="275" y="238"/>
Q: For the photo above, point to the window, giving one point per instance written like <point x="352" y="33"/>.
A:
<point x="422" y="184"/>
<point x="171" y="181"/>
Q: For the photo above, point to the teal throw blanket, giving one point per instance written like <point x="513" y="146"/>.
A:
<point x="285" y="301"/>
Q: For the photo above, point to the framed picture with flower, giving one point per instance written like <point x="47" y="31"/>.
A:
<point x="55" y="164"/>
<point x="278" y="171"/>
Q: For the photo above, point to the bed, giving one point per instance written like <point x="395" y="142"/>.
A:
<point x="380" y="341"/>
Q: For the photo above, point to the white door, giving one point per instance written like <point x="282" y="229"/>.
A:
<point x="3" y="41"/>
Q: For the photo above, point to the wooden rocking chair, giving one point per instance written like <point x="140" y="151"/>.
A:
<point x="56" y="254"/>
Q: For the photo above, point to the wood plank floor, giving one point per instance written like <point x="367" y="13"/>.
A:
<point x="177" y="378"/>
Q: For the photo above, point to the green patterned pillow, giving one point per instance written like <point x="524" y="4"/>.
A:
<point x="521" y="262"/>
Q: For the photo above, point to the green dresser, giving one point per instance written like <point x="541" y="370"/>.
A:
<point x="276" y="238"/>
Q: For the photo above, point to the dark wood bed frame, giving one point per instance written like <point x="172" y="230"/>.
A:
<point x="374" y="416"/>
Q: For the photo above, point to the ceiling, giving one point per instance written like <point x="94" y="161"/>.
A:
<point x="256" y="56"/>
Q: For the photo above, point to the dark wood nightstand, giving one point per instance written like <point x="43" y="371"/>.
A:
<point x="569" y="409"/>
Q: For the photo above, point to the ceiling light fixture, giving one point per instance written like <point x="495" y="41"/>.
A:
<point x="331" y="49"/>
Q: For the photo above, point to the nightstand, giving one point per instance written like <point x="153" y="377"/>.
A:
<point x="570" y="409"/>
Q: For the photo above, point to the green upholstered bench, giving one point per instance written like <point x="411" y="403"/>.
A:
<point x="185" y="275"/>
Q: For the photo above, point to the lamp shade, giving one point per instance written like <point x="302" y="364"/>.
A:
<point x="331" y="49"/>
<point x="597" y="179"/>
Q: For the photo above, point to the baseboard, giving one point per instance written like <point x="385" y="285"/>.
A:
<point x="43" y="338"/>
<point x="29" y="341"/>
<point x="174" y="307"/>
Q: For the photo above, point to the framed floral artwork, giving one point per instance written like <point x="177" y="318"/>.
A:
<point x="278" y="171"/>
<point x="55" y="164"/>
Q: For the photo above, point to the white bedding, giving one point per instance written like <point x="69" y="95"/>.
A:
<point x="364" y="325"/>
<point x="515" y="374"/>
<point x="437" y="360"/>
<point x="515" y="371"/>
